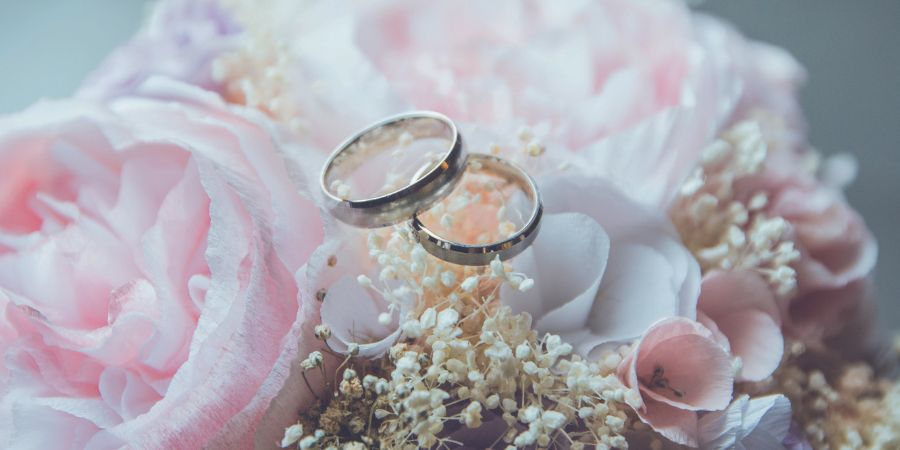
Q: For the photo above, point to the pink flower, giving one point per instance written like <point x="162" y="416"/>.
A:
<point x="676" y="370"/>
<point x="741" y="307"/>
<point x="838" y="253"/>
<point x="147" y="258"/>
<point x="605" y="267"/>
<point x="761" y="423"/>
<point x="597" y="79"/>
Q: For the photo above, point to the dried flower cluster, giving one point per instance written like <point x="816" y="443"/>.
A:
<point x="463" y="362"/>
<point x="727" y="232"/>
<point x="840" y="404"/>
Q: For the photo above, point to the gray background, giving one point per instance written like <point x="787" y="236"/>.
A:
<point x="852" y="100"/>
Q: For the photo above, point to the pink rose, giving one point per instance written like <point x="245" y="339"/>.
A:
<point x="597" y="79"/>
<point x="147" y="258"/>
<point x="676" y="370"/>
<point x="838" y="253"/>
<point x="740" y="306"/>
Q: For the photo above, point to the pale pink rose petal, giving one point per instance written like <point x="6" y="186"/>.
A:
<point x="725" y="291"/>
<point x="172" y="230"/>
<point x="567" y="262"/>
<point x="717" y="334"/>
<point x="629" y="303"/>
<point x="757" y="340"/>
<point x="744" y="310"/>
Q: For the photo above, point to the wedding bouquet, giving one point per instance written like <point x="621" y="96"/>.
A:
<point x="171" y="279"/>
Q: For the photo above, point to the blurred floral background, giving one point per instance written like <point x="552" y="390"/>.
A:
<point x="851" y="100"/>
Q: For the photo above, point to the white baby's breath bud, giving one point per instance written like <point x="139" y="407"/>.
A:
<point x="447" y="319"/>
<point x="492" y="402"/>
<point x="525" y="438"/>
<point x="553" y="419"/>
<point x="352" y="349"/>
<point x="307" y="443"/>
<point x="448" y="278"/>
<point x="497" y="270"/>
<point x="292" y="434"/>
<point x="322" y="332"/>
<point x="428" y="318"/>
<point x="529" y="414"/>
<point x="429" y="282"/>
<point x="470" y="283"/>
<point x="349" y="374"/>
<point x="313" y="360"/>
<point x="615" y="422"/>
<point x="736" y="236"/>
<point x="523" y="350"/>
<point x="758" y="201"/>
<point x="715" y="152"/>
<point x="472" y="415"/>
<point x="343" y="191"/>
<point x="364" y="281"/>
<point x="412" y="328"/>
<point x="534" y="148"/>
<point x="384" y="318"/>
<point x="526" y="284"/>
<point x="585" y="412"/>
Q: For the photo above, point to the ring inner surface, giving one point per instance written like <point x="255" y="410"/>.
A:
<point x="388" y="158"/>
<point x="492" y="202"/>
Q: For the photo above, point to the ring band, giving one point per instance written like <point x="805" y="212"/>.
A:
<point x="482" y="255"/>
<point x="429" y="184"/>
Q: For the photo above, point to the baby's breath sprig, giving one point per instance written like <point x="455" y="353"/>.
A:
<point x="840" y="404"/>
<point x="464" y="362"/>
<point x="725" y="232"/>
<point x="465" y="359"/>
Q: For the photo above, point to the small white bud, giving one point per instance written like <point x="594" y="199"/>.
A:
<point x="292" y="434"/>
<point x="448" y="279"/>
<point x="523" y="350"/>
<point x="526" y="284"/>
<point x="469" y="284"/>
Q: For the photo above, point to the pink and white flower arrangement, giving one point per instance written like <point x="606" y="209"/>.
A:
<point x="170" y="279"/>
